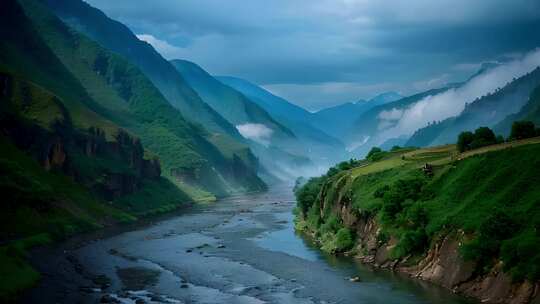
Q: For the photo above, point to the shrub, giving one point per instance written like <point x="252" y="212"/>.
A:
<point x="412" y="241"/>
<point x="464" y="141"/>
<point x="379" y="193"/>
<point x="522" y="129"/>
<point x="496" y="228"/>
<point x="481" y="137"/>
<point x="375" y="154"/>
<point x="344" y="239"/>
<point x="306" y="195"/>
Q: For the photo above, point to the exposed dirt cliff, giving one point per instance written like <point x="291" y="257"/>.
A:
<point x="441" y="265"/>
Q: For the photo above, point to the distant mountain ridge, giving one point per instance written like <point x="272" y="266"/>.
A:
<point x="487" y="111"/>
<point x="339" y="119"/>
<point x="226" y="101"/>
<point x="317" y="143"/>
<point x="118" y="38"/>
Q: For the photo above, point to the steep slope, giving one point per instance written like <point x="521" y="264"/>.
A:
<point x="468" y="223"/>
<point x="306" y="127"/>
<point x="363" y="134"/>
<point x="275" y="105"/>
<point x="228" y="102"/>
<point x="114" y="89"/>
<point x="485" y="111"/>
<point x="530" y="112"/>
<point x="339" y="119"/>
<point x="118" y="38"/>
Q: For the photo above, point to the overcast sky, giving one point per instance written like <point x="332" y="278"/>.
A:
<point x="322" y="53"/>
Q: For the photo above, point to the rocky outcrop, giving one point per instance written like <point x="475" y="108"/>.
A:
<point x="55" y="155"/>
<point x="441" y="265"/>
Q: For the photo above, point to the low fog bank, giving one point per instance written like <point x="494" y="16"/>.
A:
<point x="397" y="122"/>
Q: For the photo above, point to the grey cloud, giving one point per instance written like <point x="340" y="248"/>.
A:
<point x="293" y="47"/>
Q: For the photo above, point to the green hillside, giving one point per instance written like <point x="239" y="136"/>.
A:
<point x="530" y="112"/>
<point x="487" y="110"/>
<point x="363" y="133"/>
<point x="322" y="147"/>
<point x="85" y="138"/>
<point x="119" y="39"/>
<point x="229" y="103"/>
<point x="120" y="92"/>
<point x="488" y="198"/>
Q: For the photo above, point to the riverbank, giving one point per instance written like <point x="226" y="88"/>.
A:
<point x="464" y="222"/>
<point x="242" y="249"/>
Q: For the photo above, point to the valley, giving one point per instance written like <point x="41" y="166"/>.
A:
<point x="324" y="152"/>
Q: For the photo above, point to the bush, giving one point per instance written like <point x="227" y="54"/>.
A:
<point x="464" y="141"/>
<point x="375" y="154"/>
<point x="412" y="241"/>
<point x="517" y="254"/>
<point x="481" y="137"/>
<point x="306" y="195"/>
<point x="496" y="228"/>
<point x="379" y="193"/>
<point x="523" y="129"/>
<point x="398" y="194"/>
<point x="344" y="240"/>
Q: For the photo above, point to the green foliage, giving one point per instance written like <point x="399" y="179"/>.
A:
<point x="482" y="136"/>
<point x="307" y="195"/>
<point x="401" y="194"/>
<point x="344" y="239"/>
<point x="375" y="154"/>
<point x="17" y="275"/>
<point x="492" y="197"/>
<point x="464" y="141"/>
<point x="523" y="129"/>
<point x="410" y="242"/>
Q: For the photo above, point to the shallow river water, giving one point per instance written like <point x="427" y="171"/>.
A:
<point x="239" y="250"/>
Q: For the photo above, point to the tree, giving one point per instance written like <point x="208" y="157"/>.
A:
<point x="464" y="141"/>
<point x="483" y="136"/>
<point x="373" y="151"/>
<point x="522" y="129"/>
<point x="375" y="154"/>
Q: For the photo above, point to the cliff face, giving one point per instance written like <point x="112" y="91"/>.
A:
<point x="469" y="223"/>
<point x="442" y="264"/>
<point x="111" y="168"/>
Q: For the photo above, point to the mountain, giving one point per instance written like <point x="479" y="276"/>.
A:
<point x="365" y="130"/>
<point x="320" y="146"/>
<point x="277" y="107"/>
<point x="468" y="215"/>
<point x="337" y="120"/>
<point x="229" y="103"/>
<point x="102" y="90"/>
<point x="487" y="110"/>
<point x="119" y="39"/>
<point x="530" y="112"/>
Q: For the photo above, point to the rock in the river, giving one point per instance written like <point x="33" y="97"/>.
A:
<point x="355" y="279"/>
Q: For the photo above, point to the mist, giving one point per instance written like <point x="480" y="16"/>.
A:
<point x="452" y="102"/>
<point x="257" y="132"/>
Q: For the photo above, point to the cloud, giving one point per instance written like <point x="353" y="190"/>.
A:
<point x="163" y="47"/>
<point x="303" y="45"/>
<point x="452" y="102"/>
<point x="256" y="132"/>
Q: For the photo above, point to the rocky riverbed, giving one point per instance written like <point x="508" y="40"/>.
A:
<point x="241" y="249"/>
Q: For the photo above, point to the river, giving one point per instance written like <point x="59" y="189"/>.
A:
<point x="241" y="249"/>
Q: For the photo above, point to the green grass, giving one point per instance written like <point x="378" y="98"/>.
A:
<point x="17" y="275"/>
<point x="470" y="192"/>
<point x="155" y="196"/>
